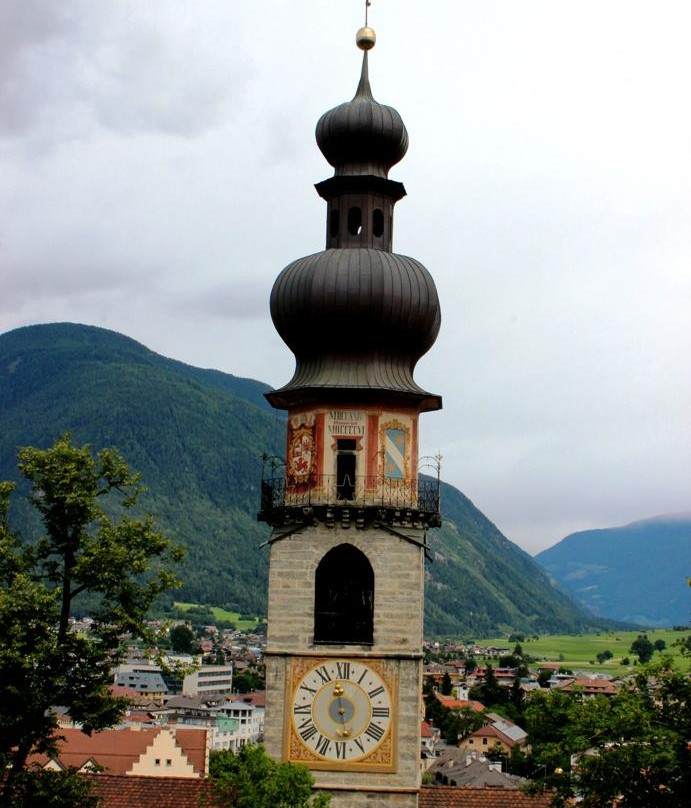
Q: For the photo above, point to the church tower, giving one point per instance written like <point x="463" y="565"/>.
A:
<point x="348" y="510"/>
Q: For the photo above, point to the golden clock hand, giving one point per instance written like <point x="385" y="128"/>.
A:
<point x="338" y="692"/>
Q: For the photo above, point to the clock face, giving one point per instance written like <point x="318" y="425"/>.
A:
<point x="341" y="712"/>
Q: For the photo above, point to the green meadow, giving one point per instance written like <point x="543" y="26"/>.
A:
<point x="223" y="615"/>
<point x="580" y="650"/>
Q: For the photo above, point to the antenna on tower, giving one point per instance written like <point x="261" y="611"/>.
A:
<point x="368" y="3"/>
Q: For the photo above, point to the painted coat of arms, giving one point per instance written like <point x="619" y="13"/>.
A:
<point x="301" y="454"/>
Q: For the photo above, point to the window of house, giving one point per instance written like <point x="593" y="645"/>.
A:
<point x="344" y="597"/>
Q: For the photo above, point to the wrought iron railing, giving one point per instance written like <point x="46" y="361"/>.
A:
<point x="361" y="492"/>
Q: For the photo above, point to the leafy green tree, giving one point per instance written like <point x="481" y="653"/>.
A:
<point x="643" y="648"/>
<point x="117" y="559"/>
<point x="247" y="681"/>
<point x="183" y="640"/>
<point x="251" y="779"/>
<point x="489" y="691"/>
<point x="603" y="656"/>
<point x="631" y="749"/>
<point x="446" y="685"/>
<point x="660" y="645"/>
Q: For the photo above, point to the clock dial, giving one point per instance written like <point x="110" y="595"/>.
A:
<point x="341" y="711"/>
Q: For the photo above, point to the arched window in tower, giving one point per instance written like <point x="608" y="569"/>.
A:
<point x="355" y="221"/>
<point x="344" y="597"/>
<point x="378" y="222"/>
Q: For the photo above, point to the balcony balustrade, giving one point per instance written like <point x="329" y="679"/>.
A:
<point x="328" y="498"/>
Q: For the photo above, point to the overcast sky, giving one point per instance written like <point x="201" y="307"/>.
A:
<point x="157" y="162"/>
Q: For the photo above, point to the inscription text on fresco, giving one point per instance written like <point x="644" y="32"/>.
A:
<point x="346" y="422"/>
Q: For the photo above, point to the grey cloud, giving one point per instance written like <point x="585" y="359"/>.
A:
<point x="79" y="65"/>
<point x="232" y="301"/>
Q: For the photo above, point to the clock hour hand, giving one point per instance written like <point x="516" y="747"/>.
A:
<point x="338" y="692"/>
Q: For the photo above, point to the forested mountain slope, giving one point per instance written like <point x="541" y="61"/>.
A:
<point x="637" y="573"/>
<point x="197" y="437"/>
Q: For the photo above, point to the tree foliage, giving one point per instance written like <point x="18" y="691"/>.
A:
<point x="446" y="684"/>
<point x="251" y="779"/>
<point x="643" y="648"/>
<point x="183" y="640"/>
<point x="116" y="559"/>
<point x="628" y="751"/>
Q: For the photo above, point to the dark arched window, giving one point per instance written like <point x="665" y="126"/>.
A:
<point x="355" y="221"/>
<point x="344" y="597"/>
<point x="378" y="222"/>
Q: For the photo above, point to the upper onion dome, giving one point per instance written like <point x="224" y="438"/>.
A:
<point x="362" y="136"/>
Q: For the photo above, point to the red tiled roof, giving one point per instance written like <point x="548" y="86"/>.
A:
<point x="469" y="797"/>
<point x="458" y="704"/>
<point x="123" y="690"/>
<point x="488" y="731"/>
<point x="117" y="750"/>
<point x="121" y="791"/>
<point x="589" y="686"/>
<point x="425" y="729"/>
<point x="257" y="697"/>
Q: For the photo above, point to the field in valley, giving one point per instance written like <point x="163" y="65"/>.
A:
<point x="580" y="650"/>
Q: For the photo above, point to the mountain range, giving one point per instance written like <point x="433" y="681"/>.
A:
<point x="637" y="573"/>
<point x="197" y="437"/>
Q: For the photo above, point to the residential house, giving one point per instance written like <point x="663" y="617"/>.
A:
<point x="156" y="752"/>
<point x="429" y="738"/>
<point x="588" y="687"/>
<point x="456" y="767"/>
<point x="457" y="705"/>
<point x="489" y="737"/>
<point x="144" y="678"/>
<point x="229" y="724"/>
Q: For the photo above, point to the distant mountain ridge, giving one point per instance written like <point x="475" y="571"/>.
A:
<point x="635" y="573"/>
<point x="197" y="437"/>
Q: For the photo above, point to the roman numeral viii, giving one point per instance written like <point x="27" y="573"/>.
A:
<point x="374" y="732"/>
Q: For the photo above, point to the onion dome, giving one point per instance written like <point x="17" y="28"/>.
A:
<point x="357" y="321"/>
<point x="357" y="316"/>
<point x="362" y="136"/>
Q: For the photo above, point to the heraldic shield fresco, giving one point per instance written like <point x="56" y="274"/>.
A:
<point x="360" y="455"/>
<point x="340" y="713"/>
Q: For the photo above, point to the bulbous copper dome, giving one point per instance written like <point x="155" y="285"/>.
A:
<point x="356" y="319"/>
<point x="362" y="136"/>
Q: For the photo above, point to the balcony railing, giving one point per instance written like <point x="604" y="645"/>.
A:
<point x="387" y="494"/>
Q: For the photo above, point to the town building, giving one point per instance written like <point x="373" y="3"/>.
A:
<point x="156" y="752"/>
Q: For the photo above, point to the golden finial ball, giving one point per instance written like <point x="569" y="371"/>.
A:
<point x="366" y="38"/>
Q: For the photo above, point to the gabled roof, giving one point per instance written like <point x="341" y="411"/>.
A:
<point x="491" y="731"/>
<point x="458" y="704"/>
<point x="256" y="697"/>
<point x="118" y="750"/>
<point x="468" y="797"/>
<point x="588" y="686"/>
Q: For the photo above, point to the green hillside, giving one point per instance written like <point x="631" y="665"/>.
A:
<point x="638" y="572"/>
<point x="197" y="437"/>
